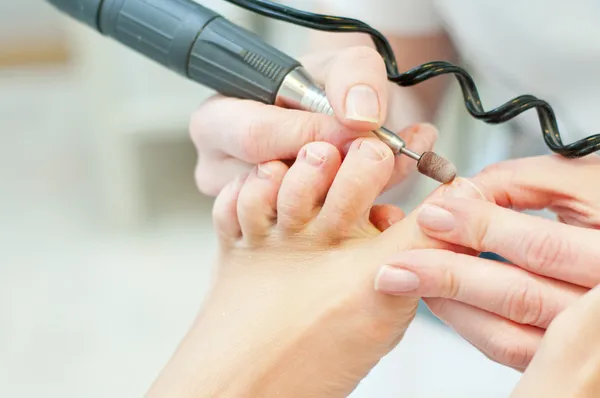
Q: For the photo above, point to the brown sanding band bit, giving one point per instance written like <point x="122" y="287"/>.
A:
<point x="429" y="164"/>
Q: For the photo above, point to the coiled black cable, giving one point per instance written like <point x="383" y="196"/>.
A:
<point x="430" y="70"/>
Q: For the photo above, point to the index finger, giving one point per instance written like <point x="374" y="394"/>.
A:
<point x="255" y="133"/>
<point x="548" y="248"/>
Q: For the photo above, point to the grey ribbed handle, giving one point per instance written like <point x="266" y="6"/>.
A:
<point x="237" y="63"/>
<point x="191" y="40"/>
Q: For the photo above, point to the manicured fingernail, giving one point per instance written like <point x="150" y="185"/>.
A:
<point x="262" y="171"/>
<point x="362" y="104"/>
<point x="314" y="155"/>
<point x="393" y="280"/>
<point x="436" y="219"/>
<point x="463" y="188"/>
<point x="371" y="150"/>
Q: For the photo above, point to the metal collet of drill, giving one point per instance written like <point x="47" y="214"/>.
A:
<point x="201" y="45"/>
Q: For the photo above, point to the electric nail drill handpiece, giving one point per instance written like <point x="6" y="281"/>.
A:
<point x="203" y="46"/>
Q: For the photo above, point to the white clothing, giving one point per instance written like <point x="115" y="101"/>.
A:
<point x="548" y="48"/>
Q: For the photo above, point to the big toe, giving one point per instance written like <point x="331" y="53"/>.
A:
<point x="365" y="172"/>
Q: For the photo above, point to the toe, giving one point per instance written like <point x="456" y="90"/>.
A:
<point x="384" y="216"/>
<point x="306" y="184"/>
<point x="361" y="178"/>
<point x="257" y="203"/>
<point x="225" y="215"/>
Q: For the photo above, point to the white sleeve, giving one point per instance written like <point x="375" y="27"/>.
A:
<point x="408" y="17"/>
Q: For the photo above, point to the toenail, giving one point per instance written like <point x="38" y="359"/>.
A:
<point x="392" y="280"/>
<point x="436" y="219"/>
<point x="262" y="171"/>
<point x="314" y="157"/>
<point x="463" y="188"/>
<point x="371" y="150"/>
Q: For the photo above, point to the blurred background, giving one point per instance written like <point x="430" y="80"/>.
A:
<point x="106" y="243"/>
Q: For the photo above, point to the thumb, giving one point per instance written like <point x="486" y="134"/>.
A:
<point x="357" y="87"/>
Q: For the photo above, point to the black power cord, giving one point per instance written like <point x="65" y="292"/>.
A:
<point x="430" y="70"/>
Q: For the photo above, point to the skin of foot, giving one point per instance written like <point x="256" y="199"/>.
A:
<point x="292" y="311"/>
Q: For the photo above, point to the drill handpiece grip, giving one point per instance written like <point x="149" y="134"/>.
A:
<point x="191" y="40"/>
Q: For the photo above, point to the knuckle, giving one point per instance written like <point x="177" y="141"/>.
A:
<point x="451" y="284"/>
<point x="525" y="304"/>
<point x="544" y="251"/>
<point x="315" y="62"/>
<point x="250" y="140"/>
<point x="199" y="122"/>
<point x="365" y="54"/>
<point x="501" y="174"/>
<point x="483" y="237"/>
<point x="197" y="126"/>
<point x="505" y="351"/>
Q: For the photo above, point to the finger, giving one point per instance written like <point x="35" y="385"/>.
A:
<point x="497" y="338"/>
<point x="538" y="245"/>
<point x="260" y="133"/>
<point x="544" y="182"/>
<point x="502" y="289"/>
<point x="409" y="230"/>
<point x="357" y="87"/>
<point x="569" y="345"/>
<point x="384" y="216"/>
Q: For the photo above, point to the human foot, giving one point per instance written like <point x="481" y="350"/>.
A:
<point x="299" y="254"/>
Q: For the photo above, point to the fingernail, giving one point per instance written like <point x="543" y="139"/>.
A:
<point x="371" y="150"/>
<point x="362" y="104"/>
<point x="435" y="218"/>
<point x="314" y="155"/>
<point x="393" y="280"/>
<point x="463" y="188"/>
<point x="262" y="171"/>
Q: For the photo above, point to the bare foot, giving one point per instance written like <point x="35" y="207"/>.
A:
<point x="300" y="250"/>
